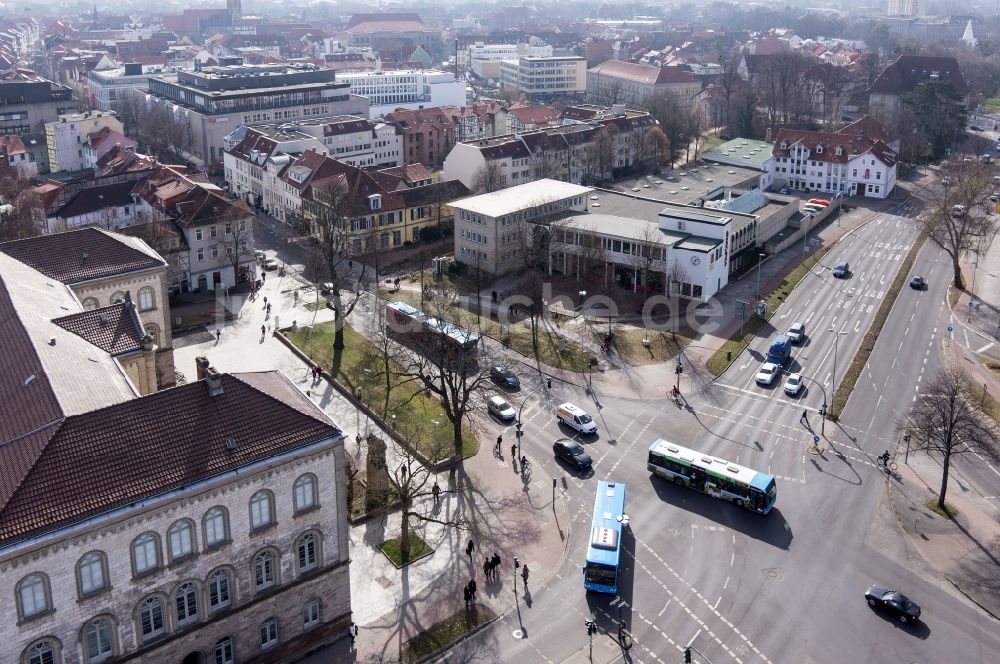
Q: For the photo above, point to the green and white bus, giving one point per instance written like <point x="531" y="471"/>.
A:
<point x="744" y="487"/>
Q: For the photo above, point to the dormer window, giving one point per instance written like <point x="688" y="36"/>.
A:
<point x="840" y="150"/>
<point x="375" y="201"/>
<point x="784" y="145"/>
<point x="819" y="149"/>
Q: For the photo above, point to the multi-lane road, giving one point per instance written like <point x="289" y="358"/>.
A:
<point x="786" y="587"/>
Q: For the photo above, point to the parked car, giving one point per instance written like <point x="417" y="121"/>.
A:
<point x="975" y="128"/>
<point x="259" y="255"/>
<point x="994" y="197"/>
<point x="270" y="264"/>
<point x="958" y="211"/>
<point x="892" y="601"/>
<point x="767" y="373"/>
<point x="794" y="384"/>
<point x="325" y="288"/>
<point x="503" y="376"/>
<point x="841" y="270"/>
<point x="501" y="408"/>
<point x="784" y="191"/>
<point x="572" y="453"/>
<point x="797" y="333"/>
<point x="820" y="201"/>
<point x="917" y="282"/>
<point x="812" y="209"/>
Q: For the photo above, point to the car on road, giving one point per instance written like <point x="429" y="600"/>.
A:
<point x="270" y="264"/>
<point x="975" y="128"/>
<point x="767" y="373"/>
<point x="994" y="197"/>
<point x="917" y="282"/>
<point x="794" y="384"/>
<point x="576" y="418"/>
<point x="841" y="270"/>
<point x="259" y="255"/>
<point x="504" y="377"/>
<point x="572" y="453"/>
<point x="892" y="601"/>
<point x="500" y="408"/>
<point x="797" y="333"/>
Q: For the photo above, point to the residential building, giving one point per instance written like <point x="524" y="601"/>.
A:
<point x="211" y="102"/>
<point x="76" y="277"/>
<point x="427" y="134"/>
<point x="613" y="238"/>
<point x="529" y="117"/>
<point x="604" y="147"/>
<point x="101" y="142"/>
<point x="555" y="76"/>
<point x="207" y="522"/>
<point x="14" y="156"/>
<point x="479" y="120"/>
<point x="850" y="162"/>
<point x="217" y="230"/>
<point x="108" y="206"/>
<point x="66" y="137"/>
<point x="32" y="102"/>
<point x="637" y="85"/>
<point x="388" y="91"/>
<point x="902" y="76"/>
<point x="107" y="87"/>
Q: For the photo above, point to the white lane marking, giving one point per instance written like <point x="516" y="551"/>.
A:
<point x="985" y="348"/>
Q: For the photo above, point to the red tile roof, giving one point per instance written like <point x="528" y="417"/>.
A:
<point x="533" y="114"/>
<point x="91" y="464"/>
<point x="644" y="74"/>
<point x="116" y="329"/>
<point x="80" y="255"/>
<point x="851" y="146"/>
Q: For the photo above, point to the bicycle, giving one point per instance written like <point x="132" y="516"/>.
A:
<point x="525" y="466"/>
<point x="887" y="462"/>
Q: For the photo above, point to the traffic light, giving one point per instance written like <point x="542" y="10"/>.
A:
<point x="822" y="411"/>
<point x="679" y="368"/>
<point x="518" y="431"/>
<point x="591" y="627"/>
<point x="687" y="655"/>
<point x="517" y="563"/>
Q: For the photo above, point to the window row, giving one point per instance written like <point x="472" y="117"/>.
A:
<point x="99" y="640"/>
<point x="146" y="300"/>
<point x="187" y="603"/>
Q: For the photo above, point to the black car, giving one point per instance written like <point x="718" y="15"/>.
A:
<point x="505" y="377"/>
<point x="917" y="282"/>
<point x="573" y="453"/>
<point x="894" y="602"/>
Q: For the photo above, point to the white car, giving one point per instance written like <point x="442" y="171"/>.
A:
<point x="767" y="373"/>
<point x="500" y="408"/>
<point x="270" y="264"/>
<point x="794" y="384"/>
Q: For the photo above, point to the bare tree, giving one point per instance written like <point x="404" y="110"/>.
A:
<point x="676" y="275"/>
<point x="656" y="145"/>
<point x="650" y="257"/>
<point x="23" y="218"/>
<point x="957" y="220"/>
<point x="236" y="239"/>
<point x="947" y="420"/>
<point x="489" y="177"/>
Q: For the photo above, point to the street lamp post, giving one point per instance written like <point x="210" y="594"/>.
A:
<point x="822" y="412"/>
<point x="836" y="337"/>
<point x="760" y="257"/>
<point x="518" y="433"/>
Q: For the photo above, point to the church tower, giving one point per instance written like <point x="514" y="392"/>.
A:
<point x="235" y="10"/>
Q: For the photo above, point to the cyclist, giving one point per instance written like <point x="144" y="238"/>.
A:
<point x="884" y="458"/>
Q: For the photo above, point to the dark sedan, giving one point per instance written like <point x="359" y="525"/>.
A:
<point x="893" y="602"/>
<point x="572" y="453"/>
<point x="917" y="282"/>
<point x="505" y="377"/>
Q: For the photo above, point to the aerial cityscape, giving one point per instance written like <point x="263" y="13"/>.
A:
<point x="564" y="333"/>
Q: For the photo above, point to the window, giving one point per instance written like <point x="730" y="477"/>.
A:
<point x="90" y="573"/>
<point x="145" y="553"/>
<point x="212" y="232"/>
<point x="305" y="493"/>
<point x="215" y="527"/>
<point x="151" y="618"/>
<point x="197" y="234"/>
<point x="260" y="509"/>
<point x="118" y="297"/>
<point x="229" y="229"/>
<point x="181" y="536"/>
<point x="224" y="651"/>
<point x="268" y="633"/>
<point x="215" y="252"/>
<point x="33" y="596"/>
<point x="186" y="603"/>
<point x="97" y="638"/>
<point x="263" y="570"/>
<point x="43" y="652"/>
<point x="218" y="589"/>
<point x="307" y="550"/>
<point x="201" y="255"/>
<point x="90" y="303"/>
<point x="146" y="300"/>
<point x="310" y="614"/>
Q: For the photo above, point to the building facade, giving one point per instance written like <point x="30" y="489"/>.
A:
<point x="29" y="104"/>
<point x="620" y="82"/>
<point x="67" y="136"/>
<point x="427" y="134"/>
<point x="212" y="102"/>
<point x="540" y="77"/>
<point x="387" y="91"/>
<point x="107" y="87"/>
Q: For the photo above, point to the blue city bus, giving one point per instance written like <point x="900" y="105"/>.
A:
<point x="600" y="573"/>
<point x="742" y="486"/>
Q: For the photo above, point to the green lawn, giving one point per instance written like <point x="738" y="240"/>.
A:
<point x="418" y="549"/>
<point x="628" y="344"/>
<point x="991" y="105"/>
<point x="446" y="632"/>
<point x="416" y="416"/>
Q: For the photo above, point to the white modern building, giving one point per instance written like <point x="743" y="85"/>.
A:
<point x="66" y="137"/>
<point x="388" y="90"/>
<point x="107" y="87"/>
<point x="562" y="75"/>
<point x="484" y="59"/>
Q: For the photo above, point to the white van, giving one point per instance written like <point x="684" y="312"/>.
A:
<point x="576" y="418"/>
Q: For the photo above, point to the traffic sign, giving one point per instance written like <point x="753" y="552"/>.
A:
<point x="950" y="329"/>
<point x="972" y="305"/>
<point x="815" y="440"/>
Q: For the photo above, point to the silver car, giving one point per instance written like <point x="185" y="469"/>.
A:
<point x="500" y="408"/>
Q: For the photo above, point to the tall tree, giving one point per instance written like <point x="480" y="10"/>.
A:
<point x="236" y="239"/>
<point x="489" y="177"/>
<point x="947" y="421"/>
<point x="940" y="115"/>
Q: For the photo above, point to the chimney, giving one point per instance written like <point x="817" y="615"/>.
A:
<point x="213" y="379"/>
<point x="201" y="366"/>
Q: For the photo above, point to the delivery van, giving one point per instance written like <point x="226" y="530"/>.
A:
<point x="575" y="418"/>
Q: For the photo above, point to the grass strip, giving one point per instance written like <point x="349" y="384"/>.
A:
<point x="446" y="632"/>
<point x="949" y="512"/>
<point x="393" y="550"/>
<point x="413" y="414"/>
<point x="738" y="342"/>
<point x="850" y="377"/>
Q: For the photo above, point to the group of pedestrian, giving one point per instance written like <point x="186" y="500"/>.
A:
<point x="317" y="373"/>
<point x="470" y="593"/>
<point x="491" y="565"/>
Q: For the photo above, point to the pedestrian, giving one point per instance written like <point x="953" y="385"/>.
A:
<point x="265" y="301"/>
<point x="524" y="575"/>
<point x="499" y="443"/>
<point x="295" y="296"/>
<point x="488" y="568"/>
<point x="352" y="631"/>
<point x="805" y="416"/>
<point x="436" y="490"/>
<point x="513" y="453"/>
<point x="263" y="277"/>
<point x="268" y="309"/>
<point x="468" y="596"/>
<point x="495" y="563"/>
<point x="263" y="331"/>
<point x="469" y="549"/>
<point x="472" y="588"/>
<point x="218" y="336"/>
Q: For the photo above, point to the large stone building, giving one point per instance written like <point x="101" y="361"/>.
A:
<point x="620" y="82"/>
<point x="117" y="289"/>
<point x="210" y="103"/>
<point x="387" y="30"/>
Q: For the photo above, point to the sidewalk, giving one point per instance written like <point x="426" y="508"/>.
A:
<point x="509" y="514"/>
